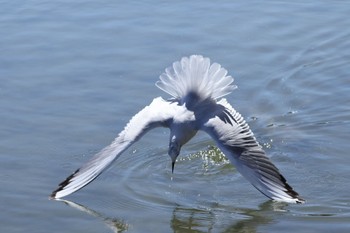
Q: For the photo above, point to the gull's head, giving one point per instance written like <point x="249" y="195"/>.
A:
<point x="180" y="134"/>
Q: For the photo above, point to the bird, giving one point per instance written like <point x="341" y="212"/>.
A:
<point x="197" y="88"/>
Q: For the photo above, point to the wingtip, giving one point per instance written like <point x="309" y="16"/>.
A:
<point x="61" y="186"/>
<point x="52" y="196"/>
<point x="290" y="199"/>
<point x="300" y="200"/>
<point x="291" y="192"/>
<point x="295" y="195"/>
<point x="295" y="198"/>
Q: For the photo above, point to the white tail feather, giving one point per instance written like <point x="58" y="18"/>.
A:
<point x="194" y="74"/>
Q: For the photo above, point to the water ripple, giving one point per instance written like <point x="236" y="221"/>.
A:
<point x="148" y="183"/>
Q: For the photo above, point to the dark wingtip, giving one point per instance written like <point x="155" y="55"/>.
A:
<point x="300" y="201"/>
<point x="62" y="185"/>
<point x="52" y="196"/>
<point x="291" y="192"/>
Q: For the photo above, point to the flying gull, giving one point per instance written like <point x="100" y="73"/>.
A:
<point x="197" y="88"/>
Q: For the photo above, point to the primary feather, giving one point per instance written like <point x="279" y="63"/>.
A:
<point x="196" y="87"/>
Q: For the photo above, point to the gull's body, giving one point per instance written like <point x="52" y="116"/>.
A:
<point x="196" y="87"/>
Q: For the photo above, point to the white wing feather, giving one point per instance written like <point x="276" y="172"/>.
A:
<point x="154" y="115"/>
<point x="237" y="142"/>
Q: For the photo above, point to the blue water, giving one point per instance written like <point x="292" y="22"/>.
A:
<point x="72" y="73"/>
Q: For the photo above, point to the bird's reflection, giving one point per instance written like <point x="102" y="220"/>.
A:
<point x="196" y="220"/>
<point x="116" y="225"/>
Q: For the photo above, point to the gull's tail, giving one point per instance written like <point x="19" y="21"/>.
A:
<point x="195" y="75"/>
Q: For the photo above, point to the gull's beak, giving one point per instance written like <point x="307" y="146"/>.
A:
<point x="174" y="151"/>
<point x="173" y="160"/>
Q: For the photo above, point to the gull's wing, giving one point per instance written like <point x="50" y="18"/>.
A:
<point x="234" y="138"/>
<point x="158" y="113"/>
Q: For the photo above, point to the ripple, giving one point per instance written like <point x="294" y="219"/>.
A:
<point x="147" y="181"/>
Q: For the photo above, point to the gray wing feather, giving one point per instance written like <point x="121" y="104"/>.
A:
<point x="237" y="142"/>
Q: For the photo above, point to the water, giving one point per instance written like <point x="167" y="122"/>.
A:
<point x="73" y="73"/>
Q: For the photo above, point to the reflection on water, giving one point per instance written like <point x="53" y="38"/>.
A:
<point x="196" y="220"/>
<point x="200" y="220"/>
<point x="116" y="225"/>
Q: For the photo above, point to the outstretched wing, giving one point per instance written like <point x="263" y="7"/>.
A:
<point x="158" y="113"/>
<point x="234" y="138"/>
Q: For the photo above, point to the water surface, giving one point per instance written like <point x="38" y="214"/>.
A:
<point x="73" y="73"/>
